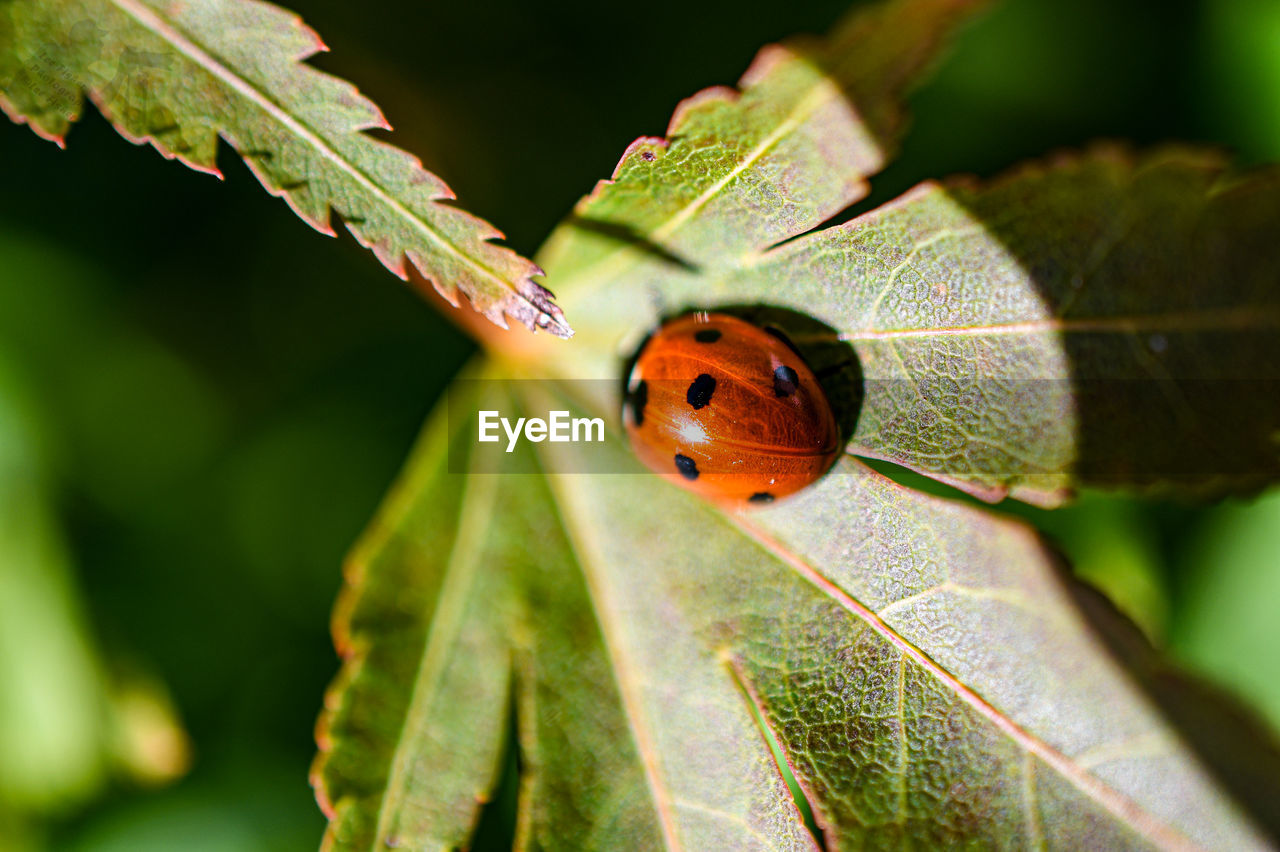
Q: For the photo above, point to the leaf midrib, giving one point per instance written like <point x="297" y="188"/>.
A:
<point x="1112" y="800"/>
<point x="195" y="52"/>
<point x="1257" y="317"/>
<point x="602" y="270"/>
<point x="1242" y="318"/>
<point x="663" y="802"/>
<point x="460" y="573"/>
<point x="1115" y="802"/>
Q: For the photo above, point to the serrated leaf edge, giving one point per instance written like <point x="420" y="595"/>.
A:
<point x="527" y="301"/>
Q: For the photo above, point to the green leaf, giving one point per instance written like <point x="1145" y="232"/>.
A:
<point x="431" y="608"/>
<point x="1026" y="336"/>
<point x="741" y="171"/>
<point x="182" y="75"/>
<point x="924" y="666"/>
<point x="1101" y="320"/>
<point x="411" y="737"/>
<point x="929" y="673"/>
<point x="54" y="733"/>
<point x="1227" y="611"/>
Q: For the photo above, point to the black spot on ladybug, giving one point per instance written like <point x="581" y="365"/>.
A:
<point x="637" y="400"/>
<point x="784" y="381"/>
<point x="701" y="389"/>
<point x="760" y="497"/>
<point x="707" y="335"/>
<point x="688" y="467"/>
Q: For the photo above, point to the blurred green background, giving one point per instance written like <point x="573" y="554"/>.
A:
<point x="202" y="400"/>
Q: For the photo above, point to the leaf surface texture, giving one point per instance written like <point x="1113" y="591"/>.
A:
<point x="180" y="76"/>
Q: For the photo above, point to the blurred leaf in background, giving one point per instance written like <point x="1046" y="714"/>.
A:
<point x="53" y="705"/>
<point x="203" y="401"/>
<point x="1229" y="588"/>
<point x="1112" y="543"/>
<point x="65" y="721"/>
<point x="1240" y="54"/>
<point x="203" y="466"/>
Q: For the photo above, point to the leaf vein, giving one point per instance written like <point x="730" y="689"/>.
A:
<point x="623" y="668"/>
<point x="1088" y="784"/>
<point x="460" y="572"/>
<point x="200" y="56"/>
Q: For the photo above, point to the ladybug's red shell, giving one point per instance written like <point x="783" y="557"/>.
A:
<point x="728" y="410"/>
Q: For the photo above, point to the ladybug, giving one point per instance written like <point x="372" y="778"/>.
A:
<point x="728" y="410"/>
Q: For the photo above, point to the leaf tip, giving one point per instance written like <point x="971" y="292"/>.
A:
<point x="18" y="117"/>
<point x="647" y="148"/>
<point x="208" y="169"/>
<point x="711" y="94"/>
<point x="541" y="311"/>
<point x="766" y="59"/>
<point x="315" y="777"/>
